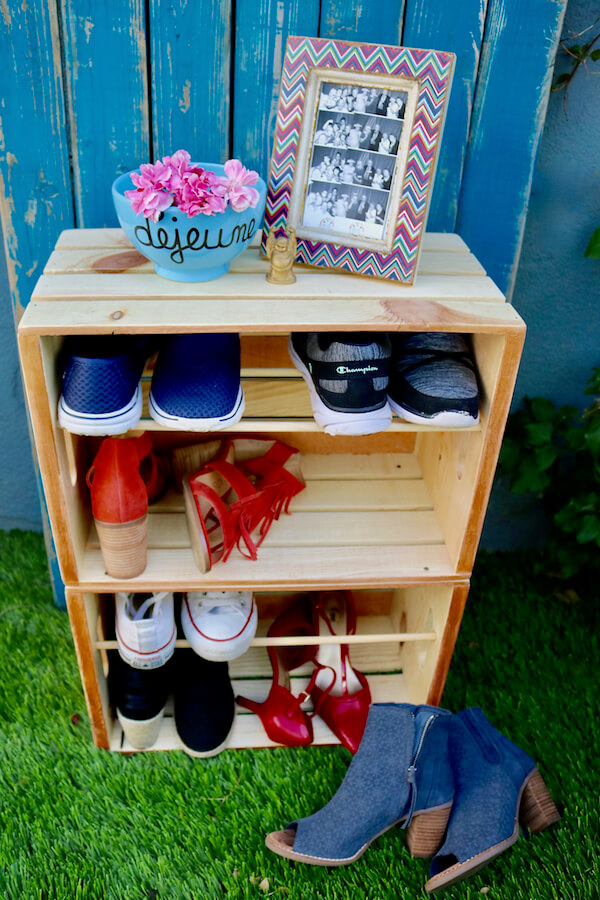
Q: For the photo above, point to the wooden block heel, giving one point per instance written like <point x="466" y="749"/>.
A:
<point x="425" y="833"/>
<point x="537" y="809"/>
<point x="123" y="547"/>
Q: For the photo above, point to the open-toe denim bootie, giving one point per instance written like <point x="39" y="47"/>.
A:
<point x="400" y="773"/>
<point x="497" y="785"/>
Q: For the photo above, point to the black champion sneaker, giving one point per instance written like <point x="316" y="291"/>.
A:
<point x="433" y="379"/>
<point x="347" y="376"/>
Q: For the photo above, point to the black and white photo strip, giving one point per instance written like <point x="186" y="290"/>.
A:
<point x="354" y="98"/>
<point x="353" y="158"/>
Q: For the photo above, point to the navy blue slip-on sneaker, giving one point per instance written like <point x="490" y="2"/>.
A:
<point x="196" y="383"/>
<point x="101" y="383"/>
<point x="347" y="377"/>
<point x="204" y="704"/>
<point x="433" y="379"/>
<point x="139" y="697"/>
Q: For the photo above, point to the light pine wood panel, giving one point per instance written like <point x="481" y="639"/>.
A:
<point x="344" y="494"/>
<point x="93" y="238"/>
<point x="248" y="730"/>
<point x="271" y="315"/>
<point x="309" y="284"/>
<point x="292" y="568"/>
<point x="370" y="528"/>
<point x="276" y="399"/>
<point x="118" y="260"/>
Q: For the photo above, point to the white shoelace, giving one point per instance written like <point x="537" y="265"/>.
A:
<point x="136" y="614"/>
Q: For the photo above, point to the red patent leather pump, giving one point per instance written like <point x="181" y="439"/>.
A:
<point x="340" y="693"/>
<point x="281" y="714"/>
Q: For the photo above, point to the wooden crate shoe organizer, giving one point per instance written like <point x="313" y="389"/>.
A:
<point x="395" y="517"/>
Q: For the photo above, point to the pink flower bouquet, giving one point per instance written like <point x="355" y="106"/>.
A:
<point x="176" y="181"/>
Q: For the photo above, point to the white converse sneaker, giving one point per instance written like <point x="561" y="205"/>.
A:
<point x="145" y="626"/>
<point x="219" y="625"/>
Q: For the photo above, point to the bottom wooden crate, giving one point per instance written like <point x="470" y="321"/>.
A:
<point x="403" y="644"/>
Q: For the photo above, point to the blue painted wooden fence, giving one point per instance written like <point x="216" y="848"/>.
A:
<point x="90" y="90"/>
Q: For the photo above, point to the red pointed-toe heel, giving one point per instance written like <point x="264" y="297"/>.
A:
<point x="282" y="717"/>
<point x="340" y="694"/>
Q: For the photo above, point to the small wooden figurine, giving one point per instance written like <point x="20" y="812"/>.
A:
<point x="281" y="251"/>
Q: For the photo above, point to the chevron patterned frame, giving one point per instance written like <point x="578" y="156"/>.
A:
<point x="429" y="73"/>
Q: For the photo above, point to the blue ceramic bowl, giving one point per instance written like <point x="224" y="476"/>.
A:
<point x="184" y="249"/>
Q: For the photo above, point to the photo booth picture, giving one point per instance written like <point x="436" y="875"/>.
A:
<point x="354" y="154"/>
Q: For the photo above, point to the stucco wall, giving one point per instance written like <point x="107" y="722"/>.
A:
<point x="557" y="293"/>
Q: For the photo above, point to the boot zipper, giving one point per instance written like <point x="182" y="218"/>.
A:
<point x="412" y="772"/>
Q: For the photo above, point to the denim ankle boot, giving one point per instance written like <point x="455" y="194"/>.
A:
<point x="400" y="773"/>
<point x="496" y="785"/>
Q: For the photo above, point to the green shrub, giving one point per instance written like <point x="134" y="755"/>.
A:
<point x="554" y="452"/>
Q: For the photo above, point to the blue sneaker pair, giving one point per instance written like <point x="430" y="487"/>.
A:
<point x="195" y="385"/>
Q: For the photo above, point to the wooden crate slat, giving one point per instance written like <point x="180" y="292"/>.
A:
<point x="338" y="495"/>
<point x="272" y="316"/>
<point x="253" y="286"/>
<point x="296" y="568"/>
<point x="369" y="528"/>
<point x="248" y="730"/>
<point x="93" y="238"/>
<point x="348" y="465"/>
<point x="128" y="261"/>
<point x="278" y="402"/>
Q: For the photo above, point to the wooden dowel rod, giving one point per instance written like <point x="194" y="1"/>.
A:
<point x="307" y="641"/>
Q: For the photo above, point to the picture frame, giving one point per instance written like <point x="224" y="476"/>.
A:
<point x="357" y="133"/>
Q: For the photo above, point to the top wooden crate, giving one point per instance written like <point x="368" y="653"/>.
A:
<point x="402" y="507"/>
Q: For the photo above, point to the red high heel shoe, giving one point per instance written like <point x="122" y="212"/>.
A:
<point x="226" y="509"/>
<point x="281" y="715"/>
<point x="340" y="693"/>
<point x="124" y="476"/>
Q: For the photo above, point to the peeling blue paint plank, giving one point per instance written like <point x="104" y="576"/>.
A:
<point x="458" y="27"/>
<point x="261" y="31"/>
<point x="35" y="186"/>
<point x="520" y="42"/>
<point x="362" y="20"/>
<point x="191" y="75"/>
<point x="35" y="190"/>
<point x="105" y="64"/>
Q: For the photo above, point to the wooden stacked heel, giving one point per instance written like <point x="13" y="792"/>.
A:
<point x="537" y="809"/>
<point x="124" y="547"/>
<point x="426" y="831"/>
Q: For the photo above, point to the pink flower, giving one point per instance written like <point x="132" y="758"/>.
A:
<point x="149" y="201"/>
<point x="200" y="192"/>
<point x="175" y="168"/>
<point x="237" y="185"/>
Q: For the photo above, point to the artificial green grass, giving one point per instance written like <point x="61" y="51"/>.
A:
<point x="79" y="823"/>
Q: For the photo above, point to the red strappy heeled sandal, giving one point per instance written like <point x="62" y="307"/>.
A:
<point x="226" y="509"/>
<point x="340" y="693"/>
<point x="283" y="719"/>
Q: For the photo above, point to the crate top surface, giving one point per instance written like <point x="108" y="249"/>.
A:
<point x="96" y="282"/>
